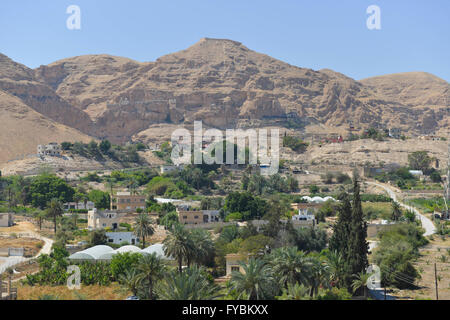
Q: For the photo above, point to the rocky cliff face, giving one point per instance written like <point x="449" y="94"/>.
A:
<point x="224" y="84"/>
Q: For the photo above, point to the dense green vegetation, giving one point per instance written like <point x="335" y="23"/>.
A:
<point x="397" y="249"/>
<point x="295" y="144"/>
<point x="105" y="150"/>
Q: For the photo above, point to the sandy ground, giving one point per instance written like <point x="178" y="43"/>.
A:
<point x="429" y="255"/>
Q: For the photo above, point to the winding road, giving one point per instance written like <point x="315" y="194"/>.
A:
<point x="12" y="261"/>
<point x="427" y="224"/>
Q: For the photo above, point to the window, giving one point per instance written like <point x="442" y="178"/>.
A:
<point x="235" y="269"/>
<point x="195" y="217"/>
<point x="184" y="217"/>
<point x="110" y="240"/>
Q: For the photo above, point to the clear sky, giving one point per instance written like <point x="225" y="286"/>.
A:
<point x="414" y="35"/>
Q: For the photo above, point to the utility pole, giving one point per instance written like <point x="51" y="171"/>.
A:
<point x="436" y="281"/>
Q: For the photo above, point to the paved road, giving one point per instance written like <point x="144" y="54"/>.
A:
<point x="427" y="224"/>
<point x="12" y="261"/>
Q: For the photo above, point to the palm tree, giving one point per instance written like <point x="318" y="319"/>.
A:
<point x="295" y="292"/>
<point x="192" y="284"/>
<point x="130" y="281"/>
<point x="151" y="268"/>
<point x="204" y="246"/>
<point x="319" y="275"/>
<point x="179" y="245"/>
<point x="75" y="217"/>
<point x="336" y="266"/>
<point x="255" y="281"/>
<point x="77" y="197"/>
<point x="396" y="211"/>
<point x="40" y="215"/>
<point x="55" y="209"/>
<point x="143" y="227"/>
<point x="360" y="281"/>
<point x="290" y="266"/>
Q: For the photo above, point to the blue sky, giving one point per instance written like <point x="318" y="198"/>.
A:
<point x="414" y="35"/>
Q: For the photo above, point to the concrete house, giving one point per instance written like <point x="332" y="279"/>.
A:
<point x="6" y="219"/>
<point x="52" y="149"/>
<point x="80" y="205"/>
<point x="198" y="216"/>
<point x="125" y="201"/>
<point x="120" y="237"/>
<point x="233" y="263"/>
<point x="102" y="219"/>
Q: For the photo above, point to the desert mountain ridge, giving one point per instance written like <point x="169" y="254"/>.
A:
<point x="218" y="81"/>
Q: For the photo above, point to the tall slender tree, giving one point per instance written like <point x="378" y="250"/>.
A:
<point x="54" y="210"/>
<point x="151" y="268"/>
<point x="143" y="227"/>
<point x="179" y="245"/>
<point x="358" y="246"/>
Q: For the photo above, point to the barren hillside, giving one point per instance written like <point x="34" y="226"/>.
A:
<point x="218" y="81"/>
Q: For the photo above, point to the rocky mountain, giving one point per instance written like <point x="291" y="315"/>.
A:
<point x="224" y="84"/>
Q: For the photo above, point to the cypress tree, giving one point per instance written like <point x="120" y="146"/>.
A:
<point x="339" y="241"/>
<point x="358" y="246"/>
<point x="341" y="230"/>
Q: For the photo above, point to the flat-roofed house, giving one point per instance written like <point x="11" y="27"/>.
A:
<point x="233" y="263"/>
<point x="102" y="219"/>
<point x="125" y="201"/>
<point x="52" y="149"/>
<point x="198" y="216"/>
<point x="6" y="219"/>
<point x="121" y="237"/>
<point x="79" y="206"/>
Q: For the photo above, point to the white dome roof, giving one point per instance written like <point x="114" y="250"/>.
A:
<point x="92" y="253"/>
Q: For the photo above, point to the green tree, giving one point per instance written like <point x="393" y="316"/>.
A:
<point x="179" y="245"/>
<point x="151" y="268"/>
<point x="289" y="266"/>
<point x="191" y="284"/>
<point x="101" y="199"/>
<point x="360" y="282"/>
<point x="169" y="219"/>
<point x="143" y="227"/>
<point x="97" y="237"/>
<point x="256" y="281"/>
<point x="54" y="210"/>
<point x="46" y="187"/>
<point x="435" y="177"/>
<point x="123" y="261"/>
<point x="105" y="145"/>
<point x="419" y="160"/>
<point x="358" y="246"/>
<point x="396" y="211"/>
<point x="130" y="281"/>
<point x="204" y="246"/>
<point x="40" y="215"/>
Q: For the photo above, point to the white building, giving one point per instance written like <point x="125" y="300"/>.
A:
<point x="211" y="216"/>
<point x="6" y="219"/>
<point x="52" y="149"/>
<point x="102" y="219"/>
<point x="167" y="169"/>
<point x="416" y="173"/>
<point x="120" y="237"/>
<point x="80" y="205"/>
<point x="304" y="216"/>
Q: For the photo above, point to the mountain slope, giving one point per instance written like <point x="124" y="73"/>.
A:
<point x="224" y="84"/>
<point x="23" y="129"/>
